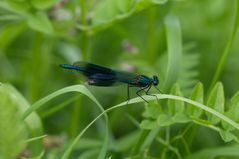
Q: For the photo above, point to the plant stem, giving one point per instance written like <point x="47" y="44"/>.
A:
<point x="225" y="53"/>
<point x="159" y="96"/>
<point x="141" y="140"/>
<point x="85" y="35"/>
<point x="36" y="61"/>
<point x="85" y="55"/>
<point x="152" y="36"/>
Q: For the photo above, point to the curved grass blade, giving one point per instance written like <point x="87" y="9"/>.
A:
<point x="189" y="101"/>
<point x="228" y="46"/>
<point x="36" y="138"/>
<point x="75" y="88"/>
<point x="174" y="44"/>
<point x="57" y="108"/>
<point x="231" y="150"/>
<point x="159" y="96"/>
<point x="176" y="107"/>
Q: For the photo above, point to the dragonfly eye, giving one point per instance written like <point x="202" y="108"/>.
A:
<point x="155" y="80"/>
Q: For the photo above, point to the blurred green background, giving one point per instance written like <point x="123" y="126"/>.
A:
<point x="179" y="41"/>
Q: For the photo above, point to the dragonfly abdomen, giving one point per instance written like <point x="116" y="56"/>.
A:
<point x="72" y="67"/>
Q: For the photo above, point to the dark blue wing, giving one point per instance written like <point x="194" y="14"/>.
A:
<point x="103" y="76"/>
<point x="91" y="69"/>
<point x="99" y="79"/>
<point x="96" y="75"/>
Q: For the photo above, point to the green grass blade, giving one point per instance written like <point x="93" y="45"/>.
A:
<point x="149" y="139"/>
<point x="189" y="101"/>
<point x="148" y="98"/>
<point x="174" y="44"/>
<point x="231" y="151"/>
<point x="36" y="138"/>
<point x="56" y="108"/>
<point x="228" y="46"/>
<point x="75" y="88"/>
<point x="176" y="106"/>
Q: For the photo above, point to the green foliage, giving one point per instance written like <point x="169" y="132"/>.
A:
<point x="174" y="44"/>
<point x="177" y="113"/>
<point x="27" y="5"/>
<point x="77" y="88"/>
<point x="40" y="22"/>
<point x="13" y="131"/>
<point x="38" y="4"/>
<point x="216" y="101"/>
<point x="109" y="12"/>
<point x="196" y="95"/>
<point x="13" y="104"/>
<point x="19" y="5"/>
<point x="232" y="110"/>
<point x="182" y="42"/>
<point x="189" y="73"/>
<point x="31" y="11"/>
<point x="231" y="151"/>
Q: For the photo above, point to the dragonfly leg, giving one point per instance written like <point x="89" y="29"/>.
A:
<point x="140" y="90"/>
<point x="128" y="94"/>
<point x="147" y="92"/>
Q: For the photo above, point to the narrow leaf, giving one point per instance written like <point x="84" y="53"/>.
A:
<point x="175" y="106"/>
<point x="76" y="88"/>
<point x="197" y="95"/>
<point x="174" y="46"/>
<point x="216" y="101"/>
<point x="233" y="111"/>
<point x="212" y="153"/>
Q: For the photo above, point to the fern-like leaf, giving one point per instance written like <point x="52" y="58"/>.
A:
<point x="177" y="113"/>
<point x="189" y="72"/>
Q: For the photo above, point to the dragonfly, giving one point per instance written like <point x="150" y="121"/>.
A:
<point x="97" y="75"/>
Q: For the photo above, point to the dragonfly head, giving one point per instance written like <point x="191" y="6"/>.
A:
<point x="155" y="80"/>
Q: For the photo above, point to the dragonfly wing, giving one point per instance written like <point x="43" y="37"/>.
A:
<point x="100" y="79"/>
<point x="91" y="69"/>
